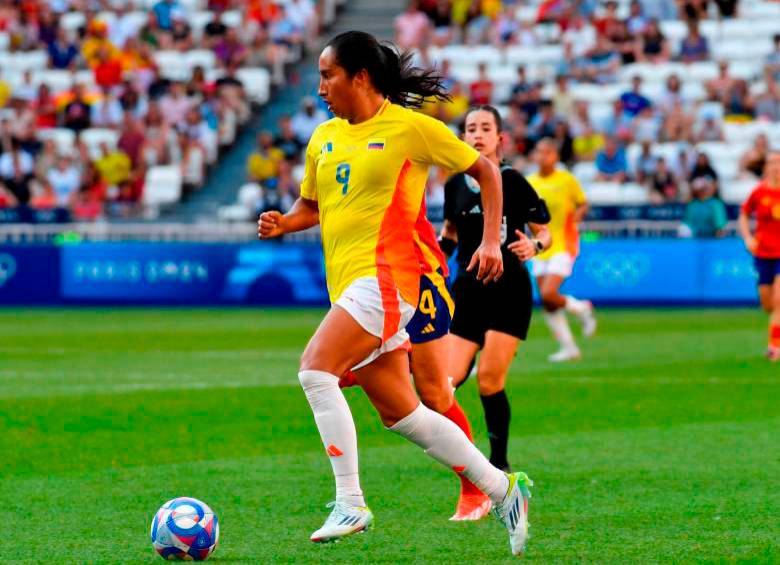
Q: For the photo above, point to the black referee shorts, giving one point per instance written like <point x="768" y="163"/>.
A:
<point x="504" y="306"/>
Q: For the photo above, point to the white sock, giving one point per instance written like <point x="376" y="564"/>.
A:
<point x="446" y="442"/>
<point x="575" y="306"/>
<point x="559" y="326"/>
<point x="337" y="430"/>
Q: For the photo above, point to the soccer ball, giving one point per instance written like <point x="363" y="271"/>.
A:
<point x="185" y="529"/>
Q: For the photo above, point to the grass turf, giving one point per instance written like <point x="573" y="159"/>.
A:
<point x="661" y="445"/>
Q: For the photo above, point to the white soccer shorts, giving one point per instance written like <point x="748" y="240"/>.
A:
<point x="560" y="264"/>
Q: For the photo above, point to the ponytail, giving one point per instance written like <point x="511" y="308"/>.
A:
<point x="391" y="71"/>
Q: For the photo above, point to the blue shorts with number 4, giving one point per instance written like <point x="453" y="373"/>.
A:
<point x="767" y="269"/>
<point x="434" y="311"/>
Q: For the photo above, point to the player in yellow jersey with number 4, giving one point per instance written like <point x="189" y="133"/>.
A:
<point x="364" y="182"/>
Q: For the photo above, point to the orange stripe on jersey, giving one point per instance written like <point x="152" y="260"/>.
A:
<point x="397" y="263"/>
<point x="427" y="236"/>
<point x="572" y="236"/>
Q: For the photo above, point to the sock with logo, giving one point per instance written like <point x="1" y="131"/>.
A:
<point x="337" y="430"/>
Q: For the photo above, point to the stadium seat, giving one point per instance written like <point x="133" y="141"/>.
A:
<point x="198" y="21"/>
<point x="633" y="194"/>
<point x="257" y="83"/>
<point x="172" y="66"/>
<point x="736" y="50"/>
<point x="232" y="18"/>
<point x="736" y="191"/>
<point x="162" y="186"/>
<point x="249" y="194"/>
<point x="585" y="171"/>
<point x="65" y="139"/>
<point x="5" y="41"/>
<point x="58" y="81"/>
<point x="760" y="10"/>
<point x="72" y="21"/>
<point x="93" y="137"/>
<point x="603" y="193"/>
<point x="200" y="57"/>
<point x="234" y="213"/>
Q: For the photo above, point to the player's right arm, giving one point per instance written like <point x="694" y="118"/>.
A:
<point x="304" y="214"/>
<point x="743" y="224"/>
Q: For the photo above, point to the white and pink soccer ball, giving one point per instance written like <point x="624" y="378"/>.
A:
<point x="185" y="529"/>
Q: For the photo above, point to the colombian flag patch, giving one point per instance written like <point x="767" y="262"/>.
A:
<point x="327" y="147"/>
<point x="376" y="144"/>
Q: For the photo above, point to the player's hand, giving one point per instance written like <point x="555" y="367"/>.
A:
<point x="270" y="225"/>
<point x="752" y="245"/>
<point x="523" y="248"/>
<point x="488" y="258"/>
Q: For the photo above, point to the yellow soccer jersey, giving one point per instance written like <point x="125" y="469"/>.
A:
<point x="563" y="194"/>
<point x="369" y="180"/>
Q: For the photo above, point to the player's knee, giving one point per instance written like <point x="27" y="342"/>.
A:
<point x="437" y="398"/>
<point x="314" y="359"/>
<point x="490" y="382"/>
<point x="549" y="302"/>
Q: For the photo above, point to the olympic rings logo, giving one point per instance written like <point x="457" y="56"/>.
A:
<point x="617" y="269"/>
<point x="7" y="268"/>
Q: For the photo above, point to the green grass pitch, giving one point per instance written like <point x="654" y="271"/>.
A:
<point x="662" y="445"/>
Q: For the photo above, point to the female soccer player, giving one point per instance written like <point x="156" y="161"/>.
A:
<point x="764" y="245"/>
<point x="364" y="181"/>
<point x="568" y="206"/>
<point x="493" y="318"/>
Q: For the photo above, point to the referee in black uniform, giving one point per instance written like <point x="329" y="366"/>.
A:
<point x="493" y="317"/>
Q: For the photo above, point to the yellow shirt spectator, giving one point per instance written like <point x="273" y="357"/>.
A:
<point x="114" y="167"/>
<point x="260" y="167"/>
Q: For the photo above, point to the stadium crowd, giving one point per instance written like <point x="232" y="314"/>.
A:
<point x="96" y="94"/>
<point x="647" y="108"/>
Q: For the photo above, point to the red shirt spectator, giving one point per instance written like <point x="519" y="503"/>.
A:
<point x="45" y="108"/>
<point x="108" y="71"/>
<point x="481" y="91"/>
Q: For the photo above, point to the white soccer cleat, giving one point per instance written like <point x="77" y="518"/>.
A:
<point x="588" y="320"/>
<point x="513" y="511"/>
<point x="343" y="521"/>
<point x="564" y="355"/>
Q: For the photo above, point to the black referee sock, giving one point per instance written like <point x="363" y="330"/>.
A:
<point x="497" y="416"/>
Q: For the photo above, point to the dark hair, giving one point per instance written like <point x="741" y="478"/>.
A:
<point x="391" y="71"/>
<point x="484" y="108"/>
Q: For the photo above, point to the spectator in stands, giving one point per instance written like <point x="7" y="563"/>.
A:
<point x="601" y="64"/>
<point x="727" y="8"/>
<point x="411" y="27"/>
<point x="88" y="201"/>
<point x="481" y="90"/>
<point x="25" y="90"/>
<point x="709" y="129"/>
<point x="563" y="102"/>
<point x="263" y="163"/>
<point x="181" y="34"/>
<point x="646" y="126"/>
<point x="193" y="162"/>
<point x="587" y="143"/>
<point x="63" y="53"/>
<point x="107" y="68"/>
<point x="645" y="163"/>
<point x="97" y="40"/>
<point x="565" y="143"/>
<point x="625" y="43"/>
<point x="521" y="86"/>
<point x="634" y="102"/>
<point x="653" y="47"/>
<point x="44" y="198"/>
<point x="719" y="88"/>
<point x="306" y="120"/>
<point x="175" y="104"/>
<point x="677" y="123"/>
<point x="702" y="168"/>
<point x="64" y="181"/>
<point x="285" y="36"/>
<point x="114" y="166"/>
<point x="662" y="183"/>
<point x="132" y="139"/>
<point x="164" y="13"/>
<point x="637" y="21"/>
<point x="441" y="21"/>
<point x="198" y="129"/>
<point x="773" y="59"/>
<point x="580" y="36"/>
<point x="693" y="10"/>
<point x="45" y="108"/>
<point x="618" y="124"/>
<point x="611" y="162"/>
<point x="287" y="141"/>
<point x="694" y="47"/>
<point x="752" y="163"/>
<point x="544" y="122"/>
<point x="660" y="9"/>
<point x="76" y="114"/>
<point x="45" y="161"/>
<point x="767" y="104"/>
<point x="230" y="51"/>
<point x="705" y="215"/>
<point x="608" y="23"/>
<point x="16" y="171"/>
<point x="738" y="103"/>
<point x="106" y="112"/>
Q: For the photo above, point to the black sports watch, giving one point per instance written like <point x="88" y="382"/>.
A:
<point x="538" y="245"/>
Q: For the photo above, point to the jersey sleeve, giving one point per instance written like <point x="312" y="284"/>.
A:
<point x="435" y="144"/>
<point x="749" y="206"/>
<point x="309" y="182"/>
